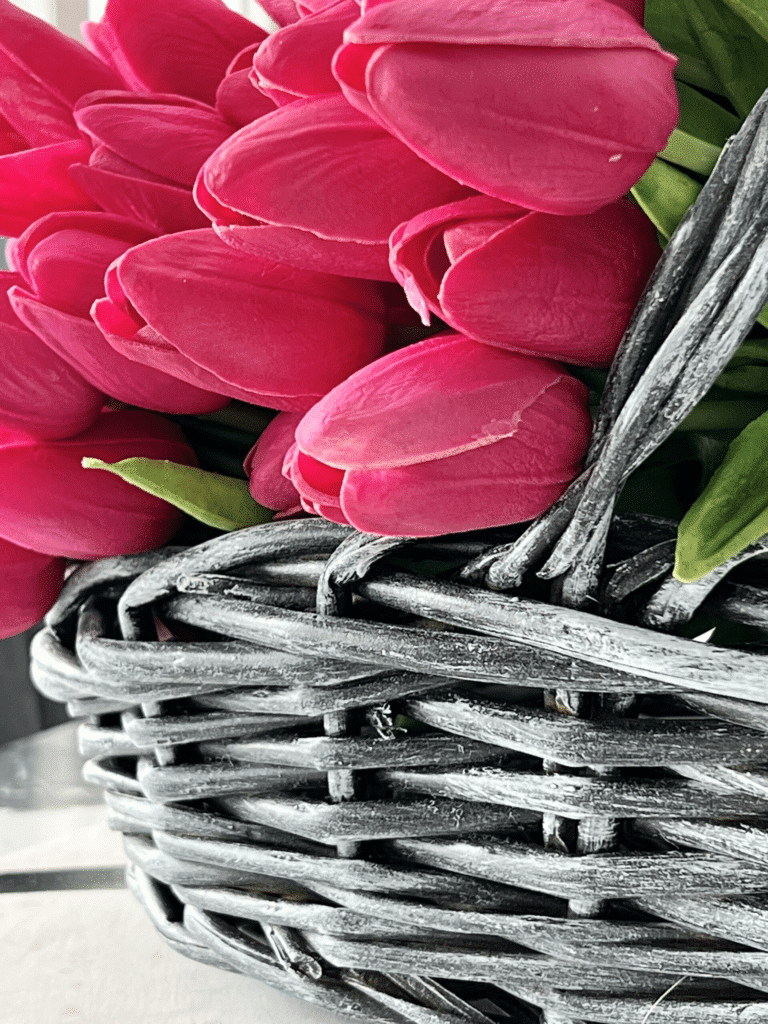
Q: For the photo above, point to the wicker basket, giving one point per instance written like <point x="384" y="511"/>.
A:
<point x="468" y="799"/>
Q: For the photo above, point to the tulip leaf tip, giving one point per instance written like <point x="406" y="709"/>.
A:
<point x="219" y="501"/>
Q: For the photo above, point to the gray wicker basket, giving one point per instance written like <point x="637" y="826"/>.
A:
<point x="468" y="799"/>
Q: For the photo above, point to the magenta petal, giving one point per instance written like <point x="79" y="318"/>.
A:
<point x="474" y="490"/>
<point x="306" y="251"/>
<point x="283" y="12"/>
<point x="180" y="46"/>
<point x="162" y="208"/>
<point x="319" y="165"/>
<point x="237" y="99"/>
<point x="264" y="464"/>
<point x="40" y="393"/>
<point x="436" y="398"/>
<point x="227" y="313"/>
<point x="38" y="181"/>
<point x="83" y="346"/>
<point x="43" y="73"/>
<point x="561" y="287"/>
<point x="169" y="139"/>
<point x="49" y="503"/>
<point x="297" y="58"/>
<point x="29" y="585"/>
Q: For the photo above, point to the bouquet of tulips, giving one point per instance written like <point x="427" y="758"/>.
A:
<point x="391" y="245"/>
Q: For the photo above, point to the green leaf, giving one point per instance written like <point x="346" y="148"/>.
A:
<point x="732" y="512"/>
<point x="702" y="130"/>
<point x="754" y="12"/>
<point x="218" y="501"/>
<point x="687" y="151"/>
<point x="665" y="20"/>
<point x="664" y="193"/>
<point x="735" y="52"/>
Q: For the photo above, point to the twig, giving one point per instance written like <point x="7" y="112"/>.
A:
<point x="662" y="997"/>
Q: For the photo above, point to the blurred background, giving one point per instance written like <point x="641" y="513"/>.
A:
<point x="24" y="710"/>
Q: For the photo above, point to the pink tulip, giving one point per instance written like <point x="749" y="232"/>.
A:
<point x="283" y="12"/>
<point x="49" y="503"/>
<point x="441" y="437"/>
<point x="44" y="73"/>
<point x="321" y="167"/>
<point x="40" y="393"/>
<point x="264" y="465"/>
<point x="237" y="98"/>
<point x="559" y="107"/>
<point x="62" y="259"/>
<point x="252" y="329"/>
<point x="178" y="46"/>
<point x="296" y="60"/>
<point x="562" y="287"/>
<point x="29" y="585"/>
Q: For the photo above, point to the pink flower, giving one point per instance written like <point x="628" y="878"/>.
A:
<point x="50" y="504"/>
<point x="40" y="393"/>
<point x="558" y="106"/>
<point x="62" y="259"/>
<point x="295" y="61"/>
<point x="247" y="327"/>
<point x="441" y="437"/>
<point x="44" y="73"/>
<point x="178" y="46"/>
<point x="29" y="584"/>
<point x="147" y="152"/>
<point x="264" y="465"/>
<point x="321" y="167"/>
<point x="562" y="287"/>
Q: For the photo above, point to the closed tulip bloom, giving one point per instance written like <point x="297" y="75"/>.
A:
<point x="40" y="393"/>
<point x="562" y="287"/>
<point x="49" y="503"/>
<point x="29" y="585"/>
<point x="442" y="437"/>
<point x="178" y="46"/>
<point x="251" y="328"/>
<point x="559" y="107"/>
<point x="295" y="61"/>
<point x="62" y="260"/>
<point x="42" y="75"/>
<point x="319" y="166"/>
<point x="264" y="465"/>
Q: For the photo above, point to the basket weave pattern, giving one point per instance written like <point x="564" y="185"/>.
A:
<point x="469" y="799"/>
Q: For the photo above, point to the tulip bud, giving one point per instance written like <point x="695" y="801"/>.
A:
<point x="29" y="585"/>
<point x="558" y="106"/>
<point x="561" y="287"/>
<point x="250" y="328"/>
<point x="444" y="436"/>
<point x="63" y="259"/>
<point x="49" y="503"/>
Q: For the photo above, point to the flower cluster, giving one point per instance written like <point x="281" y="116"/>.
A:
<point x="200" y="211"/>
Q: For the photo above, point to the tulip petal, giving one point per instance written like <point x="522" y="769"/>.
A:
<point x="51" y="504"/>
<point x="40" y="393"/>
<point x="319" y="165"/>
<point x="283" y="12"/>
<point x="162" y="208"/>
<point x="42" y="74"/>
<point x="430" y="400"/>
<point x="302" y="249"/>
<point x="297" y="58"/>
<point x="38" y="181"/>
<point x="474" y="490"/>
<point x="83" y="346"/>
<point x="29" y="585"/>
<point x="168" y="138"/>
<point x="251" y="321"/>
<point x="264" y="464"/>
<point x="179" y="46"/>
<point x="561" y="287"/>
<point x="237" y="99"/>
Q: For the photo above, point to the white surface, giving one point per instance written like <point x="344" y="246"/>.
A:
<point x="93" y="958"/>
<point x="66" y="837"/>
